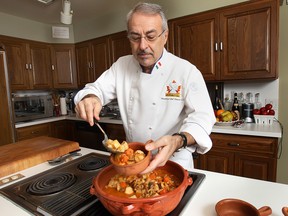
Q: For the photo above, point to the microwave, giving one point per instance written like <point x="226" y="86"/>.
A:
<point x="31" y="107"/>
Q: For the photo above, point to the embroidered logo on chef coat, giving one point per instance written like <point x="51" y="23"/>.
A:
<point x="173" y="89"/>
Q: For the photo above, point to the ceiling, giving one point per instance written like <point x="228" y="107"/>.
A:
<point x="50" y="14"/>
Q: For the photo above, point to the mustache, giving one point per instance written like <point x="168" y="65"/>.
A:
<point x="144" y="52"/>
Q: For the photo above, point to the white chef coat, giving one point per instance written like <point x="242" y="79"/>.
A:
<point x="173" y="98"/>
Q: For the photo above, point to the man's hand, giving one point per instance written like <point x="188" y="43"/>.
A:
<point x="166" y="146"/>
<point x="89" y="108"/>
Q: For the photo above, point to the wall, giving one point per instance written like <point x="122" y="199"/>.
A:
<point x="31" y="30"/>
<point x="115" y="21"/>
<point x="282" y="172"/>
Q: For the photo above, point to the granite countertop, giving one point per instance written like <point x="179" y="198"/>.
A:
<point x="250" y="129"/>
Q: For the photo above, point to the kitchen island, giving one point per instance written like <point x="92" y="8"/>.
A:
<point x="214" y="188"/>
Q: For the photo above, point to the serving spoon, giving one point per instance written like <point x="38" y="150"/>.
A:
<point x="106" y="139"/>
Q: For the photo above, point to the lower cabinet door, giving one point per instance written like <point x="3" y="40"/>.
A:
<point x="218" y="161"/>
<point x="256" y="167"/>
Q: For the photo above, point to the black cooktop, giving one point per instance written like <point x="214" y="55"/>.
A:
<point x="65" y="190"/>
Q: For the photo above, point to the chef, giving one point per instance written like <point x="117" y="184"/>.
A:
<point x="160" y="96"/>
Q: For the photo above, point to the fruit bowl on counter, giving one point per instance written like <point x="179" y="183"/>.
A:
<point x="226" y="117"/>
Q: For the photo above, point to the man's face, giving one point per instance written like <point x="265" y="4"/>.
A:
<point x="147" y="38"/>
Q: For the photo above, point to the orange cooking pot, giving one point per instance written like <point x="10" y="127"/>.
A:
<point x="156" y="206"/>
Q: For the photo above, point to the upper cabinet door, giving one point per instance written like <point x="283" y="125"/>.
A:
<point x="119" y="46"/>
<point x="249" y="34"/>
<point x="63" y="66"/>
<point x="100" y="53"/>
<point x="18" y="67"/>
<point x="195" y="40"/>
<point x="41" y="77"/>
<point x="83" y="62"/>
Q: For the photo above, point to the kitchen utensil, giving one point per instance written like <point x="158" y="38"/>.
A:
<point x="132" y="169"/>
<point x="158" y="205"/>
<point x="63" y="158"/>
<point x="105" y="139"/>
<point x="238" y="207"/>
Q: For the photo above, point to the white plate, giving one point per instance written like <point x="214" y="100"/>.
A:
<point x="225" y="123"/>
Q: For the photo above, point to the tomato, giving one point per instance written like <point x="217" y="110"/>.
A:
<point x="256" y="112"/>
<point x="271" y="112"/>
<point x="268" y="106"/>
<point x="264" y="112"/>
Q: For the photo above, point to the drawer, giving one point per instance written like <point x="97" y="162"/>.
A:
<point x="265" y="145"/>
<point x="33" y="131"/>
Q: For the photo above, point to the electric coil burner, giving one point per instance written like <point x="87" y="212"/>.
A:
<point x="65" y="190"/>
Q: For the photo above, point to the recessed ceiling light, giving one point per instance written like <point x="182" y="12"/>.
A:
<point x="45" y="1"/>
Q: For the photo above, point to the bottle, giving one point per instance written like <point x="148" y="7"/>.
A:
<point x="235" y="106"/>
<point x="216" y="105"/>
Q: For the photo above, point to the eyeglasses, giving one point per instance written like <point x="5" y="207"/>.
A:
<point x="150" y="37"/>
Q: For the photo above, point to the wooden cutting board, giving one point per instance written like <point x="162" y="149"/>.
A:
<point x="27" y="153"/>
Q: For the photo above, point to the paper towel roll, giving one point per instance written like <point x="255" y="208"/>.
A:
<point x="63" y="106"/>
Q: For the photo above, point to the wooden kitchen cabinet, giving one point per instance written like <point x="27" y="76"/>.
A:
<point x="64" y="129"/>
<point x="119" y="45"/>
<point x="28" y="64"/>
<point x="92" y="59"/>
<point x="238" y="42"/>
<point x="247" y="156"/>
<point x="63" y="66"/>
<point x="33" y="131"/>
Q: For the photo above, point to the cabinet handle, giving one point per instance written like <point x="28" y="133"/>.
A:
<point x="91" y="65"/>
<point x="26" y="66"/>
<point x="53" y="67"/>
<point x="216" y="46"/>
<point x="34" y="132"/>
<point x="221" y="46"/>
<point x="233" y="144"/>
<point x="30" y="66"/>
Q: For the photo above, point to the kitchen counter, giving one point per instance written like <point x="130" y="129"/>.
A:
<point x="214" y="188"/>
<point x="250" y="129"/>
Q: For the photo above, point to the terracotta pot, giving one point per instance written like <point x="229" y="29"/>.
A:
<point x="156" y="206"/>
<point x="285" y="211"/>
<point x="238" y="207"/>
<point x="133" y="169"/>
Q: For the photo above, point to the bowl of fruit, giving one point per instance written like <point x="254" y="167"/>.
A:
<point x="226" y="117"/>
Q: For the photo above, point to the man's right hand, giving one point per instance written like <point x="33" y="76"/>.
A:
<point x="89" y="108"/>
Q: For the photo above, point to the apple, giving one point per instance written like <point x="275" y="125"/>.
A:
<point x="268" y="106"/>
<point x="256" y="112"/>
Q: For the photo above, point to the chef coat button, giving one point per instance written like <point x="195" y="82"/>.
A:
<point x="150" y="128"/>
<point x="154" y="103"/>
<point x="130" y="121"/>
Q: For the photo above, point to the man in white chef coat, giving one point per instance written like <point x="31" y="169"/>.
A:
<point x="160" y="96"/>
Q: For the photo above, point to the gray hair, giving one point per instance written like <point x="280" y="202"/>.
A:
<point x="150" y="9"/>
